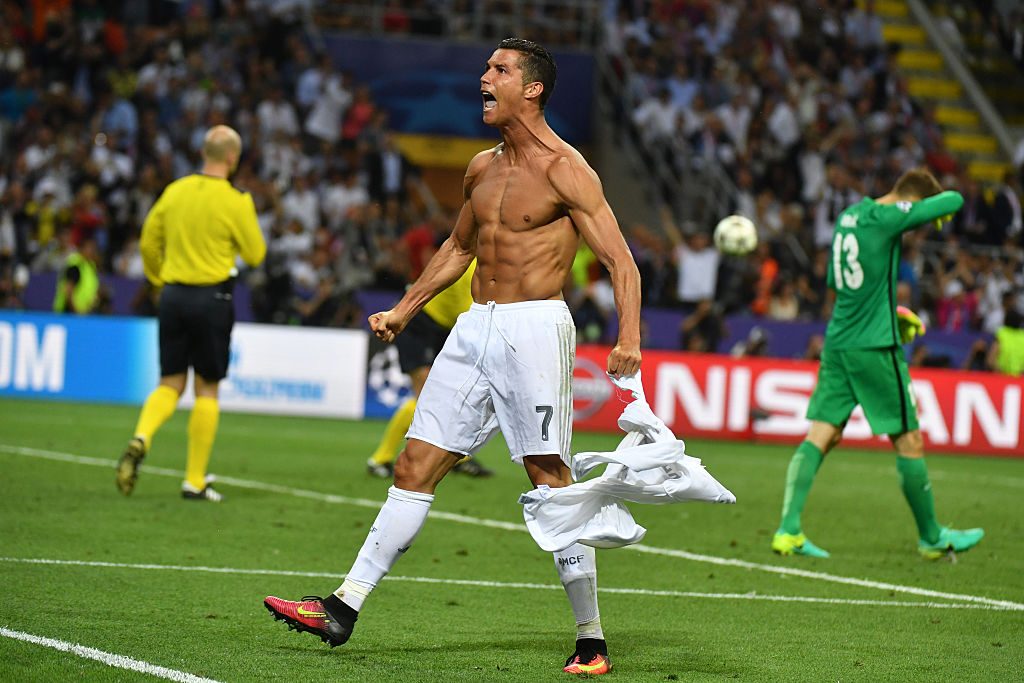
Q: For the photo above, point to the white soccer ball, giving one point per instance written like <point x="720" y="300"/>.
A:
<point x="735" y="235"/>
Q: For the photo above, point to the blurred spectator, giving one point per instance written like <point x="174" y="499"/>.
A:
<point x="1007" y="351"/>
<point x="12" y="56"/>
<point x="276" y="115"/>
<point x="837" y="194"/>
<point x="812" y="289"/>
<point x="703" y="329"/>
<point x="746" y="204"/>
<point x="88" y="217"/>
<point x="656" y="117"/>
<point x="78" y="287"/>
<point x="782" y="123"/>
<point x="957" y="307"/>
<point x="48" y="215"/>
<point x="1006" y="210"/>
<point x="696" y="261"/>
<point x="995" y="292"/>
<point x="972" y="221"/>
<point x="358" y="115"/>
<point x="691" y="118"/>
<point x="421" y="242"/>
<point x="387" y="171"/>
<point x="755" y="344"/>
<point x="128" y="262"/>
<point x="815" y="345"/>
<point x="976" y="359"/>
<point x="783" y="304"/>
<point x="681" y="86"/>
<point x="116" y="114"/>
<point x="735" y="116"/>
<point x="767" y="269"/>
<point x="864" y="27"/>
<point x="327" y="307"/>
<point x="15" y="224"/>
<point x="712" y="143"/>
<point x="342" y="192"/>
<point x="329" y="103"/>
<point x="302" y="203"/>
<point x="593" y="307"/>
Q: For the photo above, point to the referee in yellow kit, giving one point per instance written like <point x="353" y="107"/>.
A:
<point x="189" y="243"/>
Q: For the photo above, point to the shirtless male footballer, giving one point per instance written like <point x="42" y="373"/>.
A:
<point x="508" y="362"/>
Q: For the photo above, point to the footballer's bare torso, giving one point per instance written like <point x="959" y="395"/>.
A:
<point x="526" y="241"/>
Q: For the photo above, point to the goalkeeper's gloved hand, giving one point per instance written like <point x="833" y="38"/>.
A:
<point x="910" y="326"/>
<point x="940" y="223"/>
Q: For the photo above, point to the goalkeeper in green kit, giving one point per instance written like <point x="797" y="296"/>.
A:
<point x="863" y="363"/>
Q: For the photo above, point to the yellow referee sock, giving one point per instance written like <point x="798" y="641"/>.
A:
<point x="394" y="433"/>
<point x="202" y="429"/>
<point x="157" y="409"/>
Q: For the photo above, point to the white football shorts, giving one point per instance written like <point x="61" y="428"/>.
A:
<point x="506" y="366"/>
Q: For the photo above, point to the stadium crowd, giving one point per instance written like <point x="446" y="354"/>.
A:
<point x="806" y="108"/>
<point x="103" y="103"/>
<point x="101" y="108"/>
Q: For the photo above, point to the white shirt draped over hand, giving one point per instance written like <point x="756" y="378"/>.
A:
<point x="649" y="466"/>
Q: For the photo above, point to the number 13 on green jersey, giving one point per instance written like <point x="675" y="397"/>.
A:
<point x="864" y="265"/>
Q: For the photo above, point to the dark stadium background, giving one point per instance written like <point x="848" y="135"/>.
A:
<point x="783" y="112"/>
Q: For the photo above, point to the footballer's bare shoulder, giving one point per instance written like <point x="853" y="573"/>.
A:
<point x="574" y="181"/>
<point x="477" y="166"/>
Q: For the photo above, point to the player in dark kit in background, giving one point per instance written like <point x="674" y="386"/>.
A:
<point x="189" y="243"/>
<point x="508" y="361"/>
<point x="863" y="363"/>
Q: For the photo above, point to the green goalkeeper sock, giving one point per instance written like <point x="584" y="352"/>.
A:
<point x="799" y="477"/>
<point x="917" y="489"/>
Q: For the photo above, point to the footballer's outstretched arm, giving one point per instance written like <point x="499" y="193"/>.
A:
<point x="445" y="267"/>
<point x="932" y="208"/>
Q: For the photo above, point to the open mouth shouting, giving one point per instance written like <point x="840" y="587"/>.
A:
<point x="490" y="102"/>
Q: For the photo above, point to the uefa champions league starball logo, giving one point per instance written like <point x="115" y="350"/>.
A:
<point x="385" y="377"/>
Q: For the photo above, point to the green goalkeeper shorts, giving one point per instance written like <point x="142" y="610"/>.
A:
<point x="877" y="379"/>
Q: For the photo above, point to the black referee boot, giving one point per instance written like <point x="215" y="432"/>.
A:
<point x="128" y="465"/>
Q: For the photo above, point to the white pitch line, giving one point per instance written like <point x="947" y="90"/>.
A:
<point x="108" y="658"/>
<point x="504" y="584"/>
<point x="823" y="576"/>
<point x="509" y="526"/>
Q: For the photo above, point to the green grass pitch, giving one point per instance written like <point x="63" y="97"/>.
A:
<point x="298" y="500"/>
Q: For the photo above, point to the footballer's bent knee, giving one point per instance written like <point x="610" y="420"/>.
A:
<point x="909" y="444"/>
<point x="421" y="466"/>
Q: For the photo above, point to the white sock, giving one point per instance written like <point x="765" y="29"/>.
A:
<point x="577" y="568"/>
<point x="394" y="530"/>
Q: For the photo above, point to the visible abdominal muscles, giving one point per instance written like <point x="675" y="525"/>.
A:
<point x="523" y="265"/>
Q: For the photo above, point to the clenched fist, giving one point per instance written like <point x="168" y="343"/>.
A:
<point x="387" y="325"/>
<point x="624" y="360"/>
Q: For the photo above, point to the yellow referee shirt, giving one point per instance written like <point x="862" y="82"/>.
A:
<point x="449" y="304"/>
<point x="196" y="228"/>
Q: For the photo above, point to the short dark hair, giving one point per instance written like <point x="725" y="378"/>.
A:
<point x="536" y="64"/>
<point x="917" y="182"/>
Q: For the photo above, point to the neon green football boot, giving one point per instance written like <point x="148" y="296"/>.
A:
<point x="950" y="540"/>
<point x="796" y="544"/>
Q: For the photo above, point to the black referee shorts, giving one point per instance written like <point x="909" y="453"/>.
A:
<point x="195" y="330"/>
<point x="420" y="342"/>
